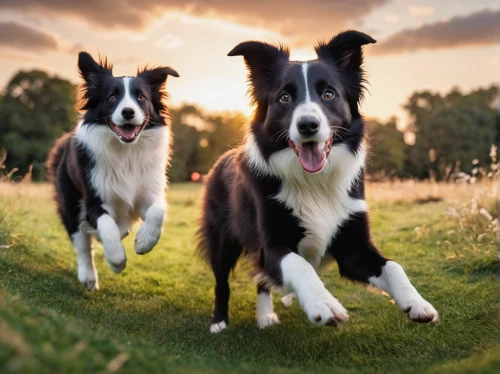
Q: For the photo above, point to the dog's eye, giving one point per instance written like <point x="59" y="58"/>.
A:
<point x="141" y="97"/>
<point x="328" y="95"/>
<point x="284" y="98"/>
<point x="112" y="98"/>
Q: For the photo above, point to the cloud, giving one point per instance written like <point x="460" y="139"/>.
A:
<point x="477" y="29"/>
<point x="391" y="18"/>
<point x="421" y="10"/>
<point x="169" y="41"/>
<point x="17" y="57"/>
<point x="302" y="20"/>
<point x="18" y="36"/>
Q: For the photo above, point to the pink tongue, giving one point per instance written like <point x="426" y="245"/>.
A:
<point x="311" y="158"/>
<point x="127" y="131"/>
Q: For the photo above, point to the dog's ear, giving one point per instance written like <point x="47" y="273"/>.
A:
<point x="157" y="77"/>
<point x="345" y="50"/>
<point x="92" y="71"/>
<point x="261" y="60"/>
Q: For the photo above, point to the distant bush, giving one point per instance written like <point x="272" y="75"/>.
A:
<point x="451" y="128"/>
<point x="35" y="110"/>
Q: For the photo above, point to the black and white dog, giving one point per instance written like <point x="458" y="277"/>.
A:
<point x="111" y="170"/>
<point x="292" y="195"/>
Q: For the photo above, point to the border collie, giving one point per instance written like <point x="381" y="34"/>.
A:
<point x="292" y="195"/>
<point x="111" y="170"/>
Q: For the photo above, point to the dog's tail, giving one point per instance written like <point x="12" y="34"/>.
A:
<point x="55" y="156"/>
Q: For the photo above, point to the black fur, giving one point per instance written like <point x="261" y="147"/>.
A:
<point x="239" y="211"/>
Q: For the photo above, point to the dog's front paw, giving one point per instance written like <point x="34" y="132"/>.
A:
<point x="421" y="311"/>
<point x="115" y="256"/>
<point x="147" y="237"/>
<point x="325" y="310"/>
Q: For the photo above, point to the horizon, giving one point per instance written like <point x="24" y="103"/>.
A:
<point x="421" y="45"/>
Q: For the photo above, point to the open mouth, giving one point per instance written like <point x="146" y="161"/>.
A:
<point x="312" y="155"/>
<point x="128" y="132"/>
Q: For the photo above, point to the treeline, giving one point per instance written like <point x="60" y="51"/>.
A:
<point x="35" y="109"/>
<point x="200" y="138"/>
<point x="449" y="131"/>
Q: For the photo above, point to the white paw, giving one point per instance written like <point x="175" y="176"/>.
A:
<point x="324" y="309"/>
<point x="218" y="327"/>
<point x="118" y="267"/>
<point x="146" y="238"/>
<point x="267" y="320"/>
<point x="115" y="256"/>
<point x="88" y="277"/>
<point x="421" y="311"/>
<point x="287" y="300"/>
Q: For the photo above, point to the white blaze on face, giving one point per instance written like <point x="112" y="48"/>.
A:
<point x="311" y="109"/>
<point x="128" y="101"/>
<point x="312" y="148"/>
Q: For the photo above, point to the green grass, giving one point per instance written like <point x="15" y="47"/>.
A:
<point x="154" y="317"/>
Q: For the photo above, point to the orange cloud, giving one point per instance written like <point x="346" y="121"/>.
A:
<point x="421" y="10"/>
<point x="302" y="21"/>
<point x="18" y="36"/>
<point x="477" y="29"/>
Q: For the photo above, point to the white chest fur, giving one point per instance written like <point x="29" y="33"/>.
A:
<point x="123" y="174"/>
<point x="320" y="201"/>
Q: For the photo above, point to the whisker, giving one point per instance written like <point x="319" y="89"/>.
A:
<point x="280" y="135"/>
<point x="105" y="117"/>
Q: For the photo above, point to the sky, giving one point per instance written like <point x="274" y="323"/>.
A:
<point x="421" y="45"/>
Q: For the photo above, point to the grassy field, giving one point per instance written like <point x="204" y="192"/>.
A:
<point x="154" y="317"/>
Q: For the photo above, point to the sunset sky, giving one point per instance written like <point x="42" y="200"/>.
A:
<point x="421" y="45"/>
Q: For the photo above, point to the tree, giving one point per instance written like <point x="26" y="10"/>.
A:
<point x="387" y="148"/>
<point x="186" y="141"/>
<point x="451" y="128"/>
<point x="200" y="138"/>
<point x="36" y="109"/>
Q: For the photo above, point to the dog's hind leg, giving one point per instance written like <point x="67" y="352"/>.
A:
<point x="223" y="259"/>
<point x="360" y="260"/>
<point x="69" y="201"/>
<point x="87" y="273"/>
<point x="265" y="310"/>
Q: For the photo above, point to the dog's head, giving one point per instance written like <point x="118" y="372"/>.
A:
<point x="306" y="105"/>
<point x="127" y="105"/>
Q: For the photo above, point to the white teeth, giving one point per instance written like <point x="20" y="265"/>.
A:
<point x="321" y="146"/>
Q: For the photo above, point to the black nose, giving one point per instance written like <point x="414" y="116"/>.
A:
<point x="128" y="113"/>
<point x="308" y="126"/>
